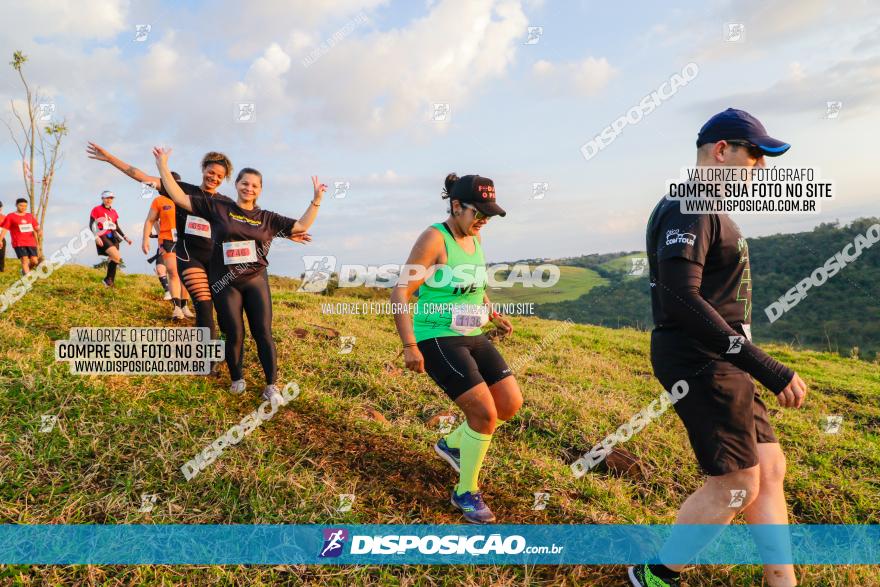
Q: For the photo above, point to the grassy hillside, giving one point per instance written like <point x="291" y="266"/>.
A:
<point x="118" y="437"/>
<point x="622" y="264"/>
<point x="842" y="314"/>
<point x="574" y="282"/>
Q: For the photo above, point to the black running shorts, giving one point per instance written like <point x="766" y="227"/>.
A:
<point x="106" y="243"/>
<point x="166" y="247"/>
<point x="725" y="420"/>
<point x="458" y="363"/>
<point x="25" y="251"/>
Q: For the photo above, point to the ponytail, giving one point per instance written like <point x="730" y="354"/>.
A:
<point x="447" y="185"/>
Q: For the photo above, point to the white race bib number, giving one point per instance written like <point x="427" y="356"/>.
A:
<point x="25" y="227"/>
<point x="239" y="252"/>
<point x="466" y="318"/>
<point x="197" y="226"/>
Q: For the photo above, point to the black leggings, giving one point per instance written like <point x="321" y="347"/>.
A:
<point x="252" y="295"/>
<point x="194" y="273"/>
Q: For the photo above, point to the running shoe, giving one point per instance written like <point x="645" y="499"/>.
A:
<point x="272" y="395"/>
<point x="177" y="314"/>
<point x="641" y="576"/>
<point x="473" y="507"/>
<point x="167" y="296"/>
<point x="187" y="313"/>
<point x="238" y="386"/>
<point x="450" y="455"/>
<point x="107" y="283"/>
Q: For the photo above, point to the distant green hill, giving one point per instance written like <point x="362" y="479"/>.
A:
<point x="839" y="316"/>
<point x="574" y="282"/>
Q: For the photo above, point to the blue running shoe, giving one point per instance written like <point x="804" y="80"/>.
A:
<point x="450" y="455"/>
<point x="473" y="507"/>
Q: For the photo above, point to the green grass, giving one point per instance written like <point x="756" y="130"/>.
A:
<point x="118" y="437"/>
<point x="623" y="264"/>
<point x="573" y="283"/>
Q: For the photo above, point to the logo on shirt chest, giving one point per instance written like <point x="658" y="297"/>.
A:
<point x="464" y="289"/>
<point x="245" y="219"/>
<point x="676" y="237"/>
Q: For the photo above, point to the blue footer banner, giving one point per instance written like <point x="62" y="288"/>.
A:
<point x="438" y="544"/>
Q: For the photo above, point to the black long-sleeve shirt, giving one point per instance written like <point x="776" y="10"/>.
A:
<point x="701" y="295"/>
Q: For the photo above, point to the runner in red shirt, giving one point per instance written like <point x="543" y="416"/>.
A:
<point x="23" y="228"/>
<point x="2" y="242"/>
<point x="104" y="222"/>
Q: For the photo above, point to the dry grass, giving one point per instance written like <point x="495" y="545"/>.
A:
<point x="118" y="437"/>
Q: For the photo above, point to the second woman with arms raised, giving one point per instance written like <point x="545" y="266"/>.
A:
<point x="242" y="234"/>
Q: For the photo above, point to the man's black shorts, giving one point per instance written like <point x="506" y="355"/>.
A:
<point x="725" y="420"/>
<point x="25" y="251"/>
<point x="106" y="243"/>
<point x="166" y="246"/>
<point x="458" y="363"/>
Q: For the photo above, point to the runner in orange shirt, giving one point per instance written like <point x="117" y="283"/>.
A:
<point x="162" y="212"/>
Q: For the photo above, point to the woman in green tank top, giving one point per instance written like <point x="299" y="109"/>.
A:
<point x="444" y="336"/>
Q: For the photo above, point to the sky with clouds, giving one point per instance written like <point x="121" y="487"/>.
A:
<point x="346" y="90"/>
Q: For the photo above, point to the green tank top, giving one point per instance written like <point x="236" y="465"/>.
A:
<point x="451" y="300"/>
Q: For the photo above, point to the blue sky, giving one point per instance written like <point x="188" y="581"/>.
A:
<point x="360" y="112"/>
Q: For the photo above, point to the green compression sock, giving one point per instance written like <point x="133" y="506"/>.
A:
<point x="474" y="446"/>
<point x="453" y="439"/>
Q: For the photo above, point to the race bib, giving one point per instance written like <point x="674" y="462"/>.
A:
<point x="466" y="317"/>
<point x="25" y="227"/>
<point x="174" y="234"/>
<point x="197" y="226"/>
<point x="239" y="252"/>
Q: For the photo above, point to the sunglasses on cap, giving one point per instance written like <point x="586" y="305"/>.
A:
<point x="755" y="151"/>
<point x="477" y="214"/>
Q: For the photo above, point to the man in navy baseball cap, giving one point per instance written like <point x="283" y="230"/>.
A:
<point x="739" y="128"/>
<point x="701" y="301"/>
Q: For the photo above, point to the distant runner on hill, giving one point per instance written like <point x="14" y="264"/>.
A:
<point x="23" y="228"/>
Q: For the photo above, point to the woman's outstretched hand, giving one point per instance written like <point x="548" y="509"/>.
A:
<point x="161" y="155"/>
<point x="300" y="237"/>
<point x="320" y="188"/>
<point x="95" y="151"/>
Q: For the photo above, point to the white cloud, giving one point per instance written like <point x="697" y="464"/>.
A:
<point x="444" y="56"/>
<point x="63" y="20"/>
<point x="248" y="26"/>
<point x="586" y="77"/>
<point x="854" y="82"/>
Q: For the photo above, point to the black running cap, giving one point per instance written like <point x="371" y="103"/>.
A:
<point x="479" y="191"/>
